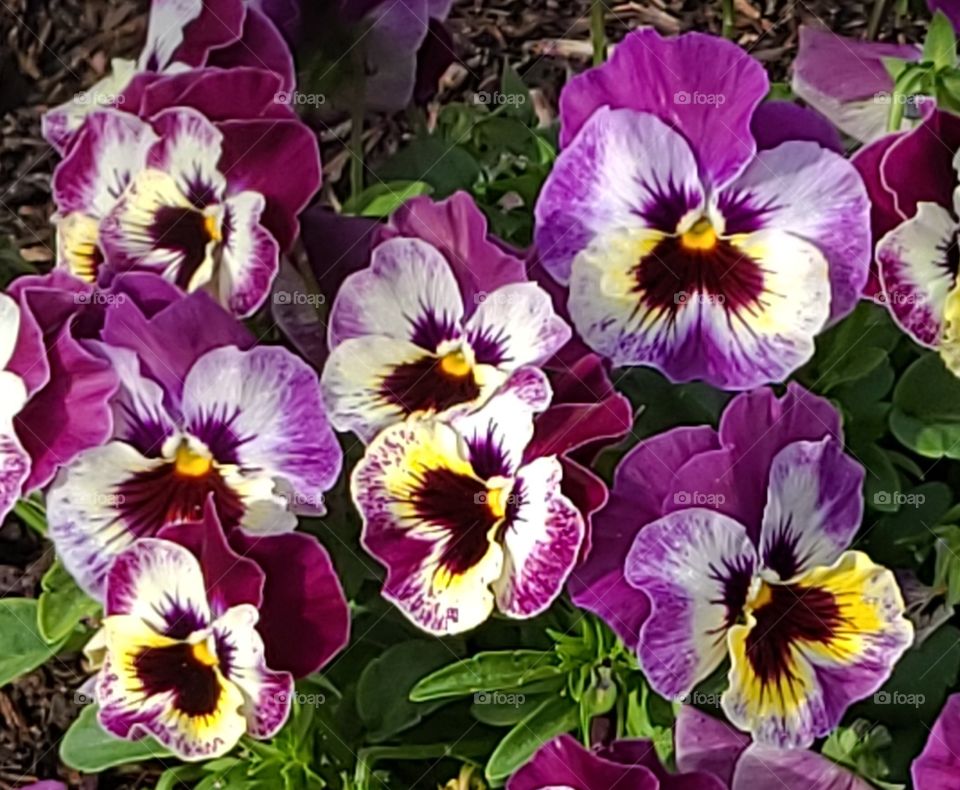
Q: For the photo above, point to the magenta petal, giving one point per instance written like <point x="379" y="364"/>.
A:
<point x="255" y="152"/>
<point x="938" y="766"/>
<point x="689" y="81"/>
<point x="337" y="246"/>
<point x="707" y="744"/>
<point x="230" y="578"/>
<point x="949" y="7"/>
<point x="641" y="482"/>
<point x="794" y="769"/>
<point x="29" y="358"/>
<point x="304" y="619"/>
<point x="458" y="229"/>
<point x="261" y="46"/>
<point x="213" y="91"/>
<point x="220" y="22"/>
<point x="777" y="122"/>
<point x="564" y="762"/>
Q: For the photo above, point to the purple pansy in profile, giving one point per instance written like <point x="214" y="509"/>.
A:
<point x="43" y="368"/>
<point x="183" y="660"/>
<point x="184" y="38"/>
<point x="425" y="330"/>
<point x="462" y="518"/>
<point x="205" y="416"/>
<point x="685" y="247"/>
<point x="914" y="183"/>
<point x="847" y="80"/>
<point x="938" y="766"/>
<point x="710" y="746"/>
<point x="629" y="764"/>
<point x="155" y="196"/>
<point x="733" y="543"/>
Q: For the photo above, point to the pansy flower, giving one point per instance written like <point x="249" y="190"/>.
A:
<point x="461" y="520"/>
<point x="938" y="766"/>
<point x="178" y="666"/>
<point x="629" y="764"/>
<point x="55" y="393"/>
<point x="914" y="183"/>
<point x="407" y="338"/>
<point x="207" y="415"/>
<point x="684" y="246"/>
<point x="733" y="543"/>
<point x="187" y="39"/>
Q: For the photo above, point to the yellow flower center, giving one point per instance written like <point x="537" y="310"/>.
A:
<point x="202" y="654"/>
<point x="497" y="500"/>
<point x="212" y="228"/>
<point x="455" y="364"/>
<point x="190" y="463"/>
<point x="701" y="236"/>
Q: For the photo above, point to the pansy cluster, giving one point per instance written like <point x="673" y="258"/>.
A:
<point x="189" y="466"/>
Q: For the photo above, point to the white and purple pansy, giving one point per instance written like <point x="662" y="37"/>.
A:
<point x="684" y="246"/>
<point x="209" y="417"/>
<point x="14" y="461"/>
<point x="405" y="341"/>
<point x="138" y="196"/>
<point x="915" y="178"/>
<point x="461" y="521"/>
<point x="181" y="664"/>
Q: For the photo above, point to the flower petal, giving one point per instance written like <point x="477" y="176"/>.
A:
<point x="792" y="769"/>
<point x="814" y="507"/>
<point x="250" y="257"/>
<point x="707" y="744"/>
<point x="626" y="171"/>
<point x="14" y="461"/>
<point x="696" y="567"/>
<point x="916" y="271"/>
<point x="407" y="293"/>
<point x="811" y="648"/>
<point x="776" y="122"/>
<point x="938" y="766"/>
<point x="541" y="541"/>
<point x="704" y="86"/>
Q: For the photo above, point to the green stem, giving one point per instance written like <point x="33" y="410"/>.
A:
<point x="356" y="151"/>
<point x="598" y="32"/>
<point x="729" y="26"/>
<point x="32" y="515"/>
<point x="877" y="14"/>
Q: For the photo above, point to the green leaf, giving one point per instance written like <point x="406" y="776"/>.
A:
<point x="381" y="200"/>
<point x="445" y="165"/>
<point x="384" y="686"/>
<point x="926" y="409"/>
<point x="516" y="95"/>
<point x="895" y="540"/>
<point x="946" y="573"/>
<point x="22" y="646"/>
<point x="88" y="748"/>
<point x="553" y="717"/>
<point x="495" y="671"/>
<point x="61" y="604"/>
<point x="504" y="709"/>
<point x="940" y="46"/>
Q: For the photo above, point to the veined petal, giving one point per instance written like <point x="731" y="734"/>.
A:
<point x="78" y="249"/>
<point x="625" y="171"/>
<point x="695" y="566"/>
<point x="160" y="583"/>
<point x="109" y="151"/>
<point x="811" y="648"/>
<point x="250" y="256"/>
<point x="541" y="540"/>
<point x="739" y="315"/>
<point x="816" y="195"/>
<point x="814" y="507"/>
<point x="267" y="694"/>
<point x="261" y="410"/>
<point x="14" y="461"/>
<point x="792" y="769"/>
<point x="432" y="521"/>
<point x="189" y="150"/>
<point x="165" y="27"/>
<point x="918" y="269"/>
<point x="516" y="325"/>
<point x="154" y="226"/>
<point x="170" y="689"/>
<point x="407" y="293"/>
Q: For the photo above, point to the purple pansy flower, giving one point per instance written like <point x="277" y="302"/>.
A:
<point x="710" y="746"/>
<point x="914" y="182"/>
<point x="938" y="766"/>
<point x="183" y="660"/>
<point x="732" y="543"/>
<point x="184" y="37"/>
<point x="42" y="369"/>
<point x="462" y="518"/>
<point x="429" y="328"/>
<point x="685" y="247"/>
<point x="564" y="763"/>
<point x="208" y="415"/>
<point x="847" y="80"/>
